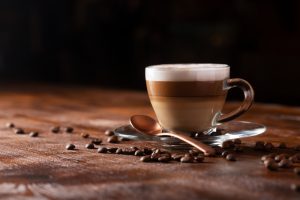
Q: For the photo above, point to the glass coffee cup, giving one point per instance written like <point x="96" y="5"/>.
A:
<point x="190" y="97"/>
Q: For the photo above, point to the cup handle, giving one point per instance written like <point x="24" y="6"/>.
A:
<point x="246" y="104"/>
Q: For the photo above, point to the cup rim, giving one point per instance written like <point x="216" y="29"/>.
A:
<point x="188" y="66"/>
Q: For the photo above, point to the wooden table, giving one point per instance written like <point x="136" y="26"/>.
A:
<point x="41" y="168"/>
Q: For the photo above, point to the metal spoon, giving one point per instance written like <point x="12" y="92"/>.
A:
<point x="148" y="125"/>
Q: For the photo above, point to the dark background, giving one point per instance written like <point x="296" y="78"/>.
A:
<point x="108" y="43"/>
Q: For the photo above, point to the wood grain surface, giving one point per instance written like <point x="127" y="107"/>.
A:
<point x="41" y="168"/>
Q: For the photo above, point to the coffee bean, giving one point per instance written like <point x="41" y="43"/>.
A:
<point x="259" y="145"/>
<point x="102" y="150"/>
<point x="186" y="159"/>
<point x="10" y="125"/>
<point x="279" y="157"/>
<point x="138" y="153"/>
<point x="128" y="151"/>
<point x="297" y="170"/>
<point x="194" y="152"/>
<point x="147" y="151"/>
<point x="285" y="163"/>
<point x="157" y="151"/>
<point x="295" y="187"/>
<point x="119" y="151"/>
<point x="155" y="156"/>
<point x="269" y="146"/>
<point x="134" y="148"/>
<point x="19" y="131"/>
<point x="227" y="144"/>
<point x="112" y="149"/>
<point x="199" y="158"/>
<point x="90" y="146"/>
<point x="282" y="145"/>
<point x="265" y="157"/>
<point x="164" y="158"/>
<point x="237" y="141"/>
<point x="145" y="158"/>
<point x="230" y="157"/>
<point x="113" y="139"/>
<point x="176" y="156"/>
<point x="70" y="146"/>
<point x="224" y="154"/>
<point x="96" y="141"/>
<point x="270" y="164"/>
<point x="109" y="133"/>
<point x="55" y="129"/>
<point x="84" y="135"/>
<point x="33" y="134"/>
<point x="69" y="129"/>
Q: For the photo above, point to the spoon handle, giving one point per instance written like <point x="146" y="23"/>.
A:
<point x="207" y="150"/>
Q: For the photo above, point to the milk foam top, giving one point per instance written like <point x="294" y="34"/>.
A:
<point x="187" y="72"/>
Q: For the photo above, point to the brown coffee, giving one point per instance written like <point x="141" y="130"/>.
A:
<point x="190" y="106"/>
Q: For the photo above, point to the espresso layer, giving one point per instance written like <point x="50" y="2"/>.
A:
<point x="185" y="88"/>
<point x="189" y="114"/>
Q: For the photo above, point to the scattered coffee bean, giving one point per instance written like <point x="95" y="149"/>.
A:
<point x="199" y="158"/>
<point x="237" y="141"/>
<point x="113" y="139"/>
<point x="69" y="129"/>
<point x="102" y="150"/>
<point x="176" y="156"/>
<point x="145" y="158"/>
<point x="70" y="146"/>
<point x="139" y="153"/>
<point x="112" y="149"/>
<point x="96" y="141"/>
<point x="186" y="159"/>
<point x="285" y="163"/>
<point x="55" y="129"/>
<point x="282" y="145"/>
<point x="147" y="151"/>
<point x="224" y="154"/>
<point x="259" y="145"/>
<point x="10" y="125"/>
<point x="119" y="151"/>
<point x="155" y="156"/>
<point x="279" y="157"/>
<point x="231" y="157"/>
<point x="90" y="146"/>
<point x="270" y="164"/>
<point x="164" y="158"/>
<point x="295" y="187"/>
<point x="19" y="131"/>
<point x="33" y="134"/>
<point x="297" y="170"/>
<point x="265" y="157"/>
<point x="84" y="135"/>
<point x="109" y="133"/>
<point x="269" y="146"/>
<point x="134" y="148"/>
<point x="157" y="151"/>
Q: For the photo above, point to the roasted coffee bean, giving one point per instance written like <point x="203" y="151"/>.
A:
<point x="55" y="129"/>
<point x="224" y="154"/>
<point x="176" y="156"/>
<point x="96" y="141"/>
<point x="157" y="151"/>
<point x="69" y="129"/>
<point x="295" y="187"/>
<point x="297" y="170"/>
<point x="194" y="152"/>
<point x="113" y="139"/>
<point x="84" y="135"/>
<point x="70" y="146"/>
<point x="187" y="159"/>
<point x="147" y="151"/>
<point x="10" y="125"/>
<point x="128" y="151"/>
<point x="198" y="158"/>
<point x="227" y="144"/>
<point x="237" y="141"/>
<point x="119" y="151"/>
<point x="102" y="150"/>
<point x="270" y="164"/>
<point x="145" y="158"/>
<point x="109" y="133"/>
<point x="297" y="148"/>
<point x="33" y="134"/>
<point x="155" y="156"/>
<point x="231" y="157"/>
<point x="269" y="146"/>
<point x="164" y="158"/>
<point x="265" y="157"/>
<point x="90" y="146"/>
<point x="279" y="157"/>
<point x="139" y="153"/>
<point x="285" y="163"/>
<point x="134" y="148"/>
<point x="259" y="145"/>
<point x="282" y="145"/>
<point x="19" y="131"/>
<point x="112" y="149"/>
